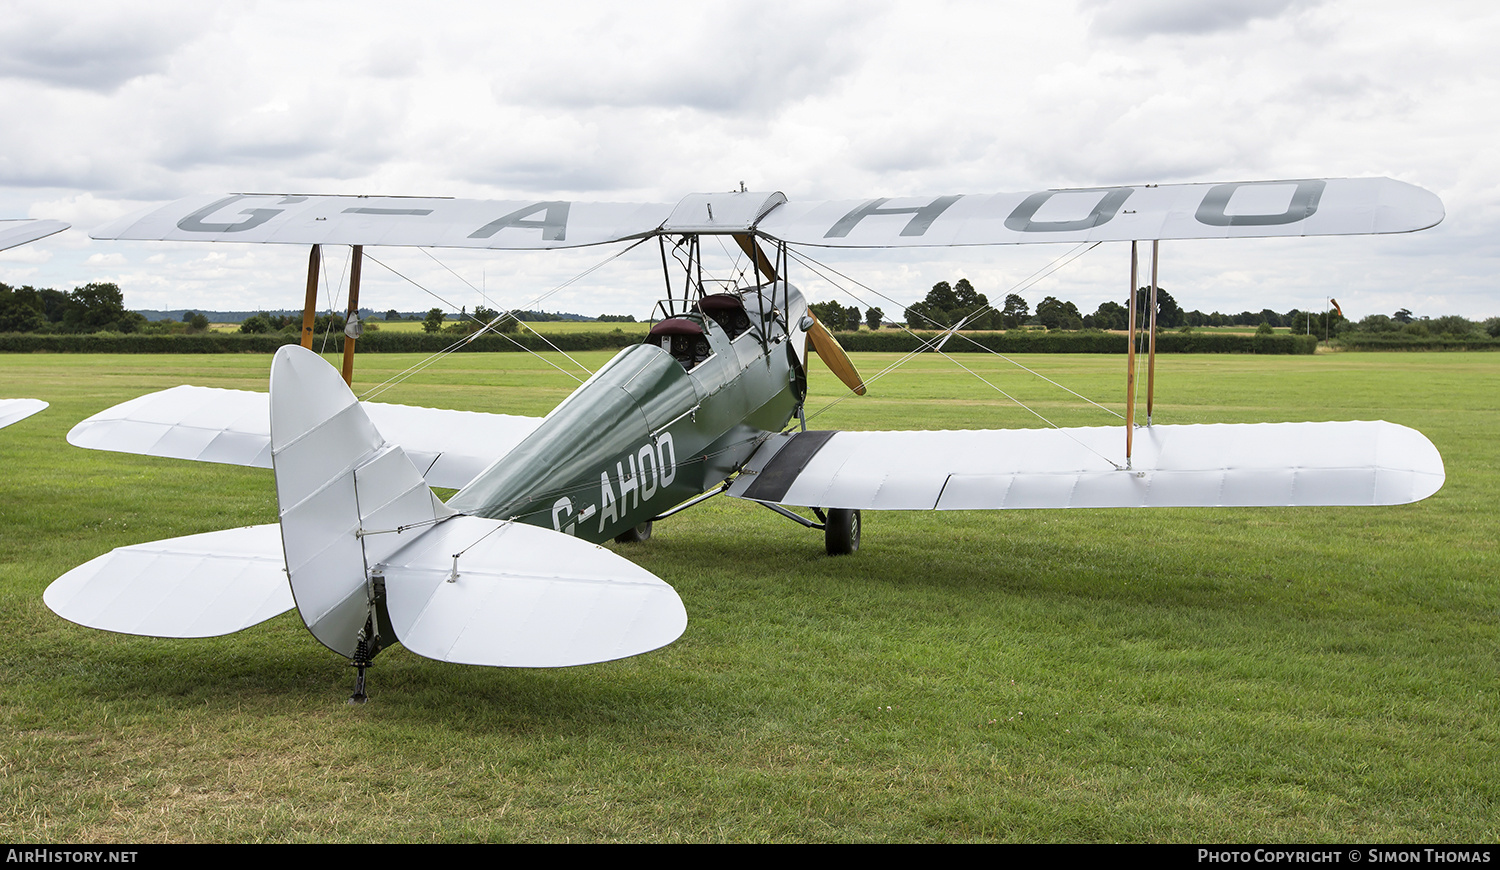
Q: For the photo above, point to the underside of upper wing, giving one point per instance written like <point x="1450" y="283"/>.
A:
<point x="1297" y="207"/>
<point x="1222" y="465"/>
<point x="19" y="232"/>
<point x="389" y="220"/>
<point x="233" y="427"/>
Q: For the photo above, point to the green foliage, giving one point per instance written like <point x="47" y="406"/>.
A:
<point x="433" y="321"/>
<point x="835" y="316"/>
<point x="1015" y="313"/>
<point x="22" y="310"/>
<point x="1109" y="315"/>
<point x="256" y="325"/>
<point x="873" y="318"/>
<point x="949" y="304"/>
<point x="1055" y="314"/>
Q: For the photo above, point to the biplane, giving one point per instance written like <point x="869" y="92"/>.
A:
<point x="14" y="233"/>
<point x="509" y="571"/>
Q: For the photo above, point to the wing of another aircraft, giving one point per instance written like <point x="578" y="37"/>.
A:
<point x="19" y="232"/>
<point x="16" y="410"/>
<point x="207" y="424"/>
<point x="1221" y="465"/>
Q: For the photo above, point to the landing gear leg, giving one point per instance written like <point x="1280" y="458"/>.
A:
<point x="361" y="660"/>
<point x="841" y="532"/>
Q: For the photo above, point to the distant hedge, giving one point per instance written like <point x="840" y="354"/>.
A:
<point x="889" y="341"/>
<point x="234" y="342"/>
<point x="1399" y="341"/>
<point x="1031" y="341"/>
<point x="110" y="342"/>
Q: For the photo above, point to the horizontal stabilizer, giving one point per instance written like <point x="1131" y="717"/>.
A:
<point x="16" y="410"/>
<point x="524" y="597"/>
<point x="1221" y="465"/>
<point x="196" y="586"/>
<point x="207" y="424"/>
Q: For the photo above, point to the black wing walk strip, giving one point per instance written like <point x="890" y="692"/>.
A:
<point x="781" y="472"/>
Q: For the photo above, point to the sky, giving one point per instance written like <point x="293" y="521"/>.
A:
<point x="111" y="108"/>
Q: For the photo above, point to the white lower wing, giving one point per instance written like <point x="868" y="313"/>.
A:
<point x="196" y="586"/>
<point x="233" y="427"/>
<point x="1264" y="464"/>
<point x="16" y="410"/>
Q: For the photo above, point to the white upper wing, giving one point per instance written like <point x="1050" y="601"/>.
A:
<point x="233" y="427"/>
<point x="1250" y="465"/>
<point x="19" y="232"/>
<point x="1298" y="207"/>
<point x="389" y="220"/>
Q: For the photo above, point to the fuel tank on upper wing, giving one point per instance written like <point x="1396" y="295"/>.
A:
<point x="658" y="424"/>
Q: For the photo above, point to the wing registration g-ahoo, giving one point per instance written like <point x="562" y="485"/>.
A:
<point x="1296" y="207"/>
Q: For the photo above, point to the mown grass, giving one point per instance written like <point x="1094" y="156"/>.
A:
<point x="1171" y="675"/>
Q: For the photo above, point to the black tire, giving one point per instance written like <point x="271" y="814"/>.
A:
<point x="638" y="535"/>
<point x="841" y="532"/>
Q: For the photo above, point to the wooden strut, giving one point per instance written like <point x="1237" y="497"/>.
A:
<point x="1151" y="359"/>
<point x="1130" y="365"/>
<point x="753" y="251"/>
<point x="359" y="251"/>
<point x="310" y="306"/>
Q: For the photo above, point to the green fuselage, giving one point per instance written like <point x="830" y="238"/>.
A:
<point x="645" y="433"/>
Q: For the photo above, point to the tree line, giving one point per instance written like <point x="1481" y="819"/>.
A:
<point x="960" y="304"/>
<point x="90" y="308"/>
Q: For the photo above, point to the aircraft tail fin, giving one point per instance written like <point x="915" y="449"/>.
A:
<point x="370" y="549"/>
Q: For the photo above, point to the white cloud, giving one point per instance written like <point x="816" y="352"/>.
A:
<point x="596" y="101"/>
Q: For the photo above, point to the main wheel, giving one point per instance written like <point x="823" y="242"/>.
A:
<point x="841" y="532"/>
<point x="638" y="535"/>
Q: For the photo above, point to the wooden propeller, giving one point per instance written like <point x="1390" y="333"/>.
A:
<point x="833" y="355"/>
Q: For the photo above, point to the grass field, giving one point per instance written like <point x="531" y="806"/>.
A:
<point x="1173" y="675"/>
